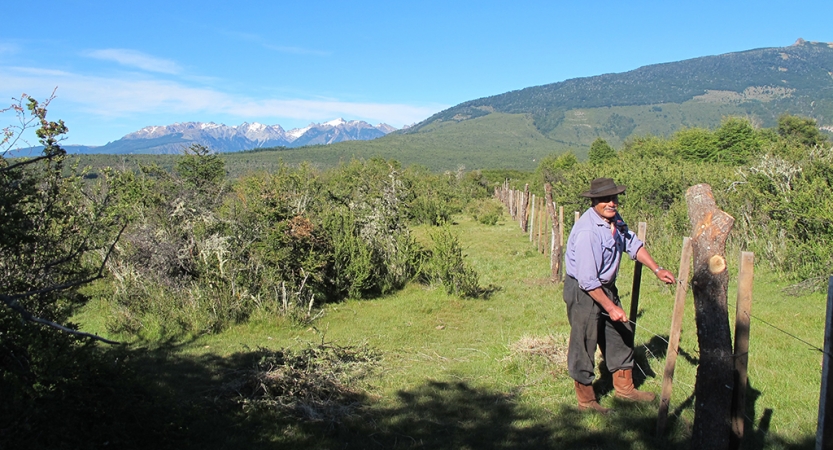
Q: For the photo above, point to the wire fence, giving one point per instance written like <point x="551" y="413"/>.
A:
<point x="528" y="212"/>
<point x="522" y="205"/>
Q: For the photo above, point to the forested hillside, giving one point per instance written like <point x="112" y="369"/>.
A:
<point x="659" y="99"/>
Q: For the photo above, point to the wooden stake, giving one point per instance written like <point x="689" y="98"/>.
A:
<point x="542" y="220"/>
<point x="637" y="279"/>
<point x="674" y="336"/>
<point x="560" y="256"/>
<point x="742" y="315"/>
<point x="532" y="218"/>
<point x="824" y="433"/>
<point x="555" y="252"/>
<point x="525" y="208"/>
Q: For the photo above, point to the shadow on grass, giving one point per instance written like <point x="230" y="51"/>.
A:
<point x="444" y="415"/>
<point x="161" y="399"/>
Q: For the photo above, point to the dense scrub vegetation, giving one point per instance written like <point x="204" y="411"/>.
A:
<point x="775" y="182"/>
<point x="203" y="252"/>
<point x="180" y="252"/>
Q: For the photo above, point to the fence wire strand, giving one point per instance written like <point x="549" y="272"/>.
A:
<point x="812" y="346"/>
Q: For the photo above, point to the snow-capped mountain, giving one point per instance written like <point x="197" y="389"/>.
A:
<point x="246" y="136"/>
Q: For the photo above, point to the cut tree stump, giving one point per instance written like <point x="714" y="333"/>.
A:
<point x="713" y="389"/>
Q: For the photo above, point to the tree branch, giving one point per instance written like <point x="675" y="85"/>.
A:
<point x="12" y="301"/>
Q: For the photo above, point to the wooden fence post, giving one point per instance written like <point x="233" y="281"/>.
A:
<point x="555" y="252"/>
<point x="674" y="336"/>
<point x="742" y="316"/>
<point x="824" y="433"/>
<point x="542" y="222"/>
<point x="532" y="217"/>
<point x="519" y="206"/>
<point x="637" y="279"/>
<point x="560" y="272"/>
<point x="525" y="208"/>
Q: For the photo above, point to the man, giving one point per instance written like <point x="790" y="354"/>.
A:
<point x="594" y="250"/>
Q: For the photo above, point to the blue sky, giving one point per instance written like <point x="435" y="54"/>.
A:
<point x="122" y="65"/>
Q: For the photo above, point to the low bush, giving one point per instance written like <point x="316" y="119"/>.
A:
<point x="446" y="266"/>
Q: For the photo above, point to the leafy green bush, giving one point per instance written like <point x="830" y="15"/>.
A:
<point x="56" y="230"/>
<point x="372" y="196"/>
<point x="486" y="211"/>
<point x="446" y="265"/>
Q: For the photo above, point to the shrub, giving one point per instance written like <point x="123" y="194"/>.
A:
<point x="55" y="231"/>
<point x="486" y="211"/>
<point x="446" y="265"/>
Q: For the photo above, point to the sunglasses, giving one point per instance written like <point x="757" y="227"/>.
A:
<point x="608" y="199"/>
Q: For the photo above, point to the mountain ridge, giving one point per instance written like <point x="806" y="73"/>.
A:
<point x="801" y="75"/>
<point x="165" y="139"/>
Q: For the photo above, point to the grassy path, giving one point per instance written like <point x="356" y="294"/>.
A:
<point x="454" y="374"/>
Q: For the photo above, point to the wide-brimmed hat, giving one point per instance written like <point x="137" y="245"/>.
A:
<point x="603" y="187"/>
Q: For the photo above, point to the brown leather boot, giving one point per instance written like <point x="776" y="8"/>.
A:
<point x="623" y="384"/>
<point x="587" y="398"/>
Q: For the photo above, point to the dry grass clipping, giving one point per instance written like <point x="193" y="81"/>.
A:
<point x="551" y="348"/>
<point x="319" y="383"/>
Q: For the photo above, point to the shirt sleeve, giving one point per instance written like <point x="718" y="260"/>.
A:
<point x="589" y="262"/>
<point x="632" y="244"/>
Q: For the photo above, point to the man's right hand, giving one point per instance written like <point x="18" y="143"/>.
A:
<point x="617" y="314"/>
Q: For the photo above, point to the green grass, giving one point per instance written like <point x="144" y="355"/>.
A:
<point x="448" y="377"/>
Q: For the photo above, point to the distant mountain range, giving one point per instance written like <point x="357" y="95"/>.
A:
<point x="222" y="138"/>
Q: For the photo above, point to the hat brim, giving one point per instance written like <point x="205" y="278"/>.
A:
<point x="605" y="193"/>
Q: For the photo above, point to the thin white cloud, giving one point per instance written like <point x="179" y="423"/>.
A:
<point x="133" y="58"/>
<point x="8" y="48"/>
<point x="295" y="50"/>
<point x="111" y="97"/>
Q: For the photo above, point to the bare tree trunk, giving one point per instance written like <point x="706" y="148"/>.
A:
<point x="713" y="390"/>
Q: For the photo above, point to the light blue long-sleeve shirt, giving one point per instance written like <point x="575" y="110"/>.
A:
<point x="594" y="252"/>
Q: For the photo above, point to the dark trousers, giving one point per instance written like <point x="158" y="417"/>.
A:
<point x="591" y="326"/>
